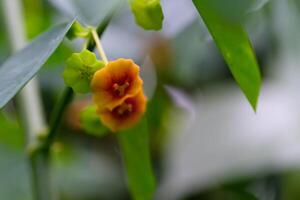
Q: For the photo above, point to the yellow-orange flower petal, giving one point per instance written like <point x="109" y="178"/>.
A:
<point x="125" y="115"/>
<point x="115" y="82"/>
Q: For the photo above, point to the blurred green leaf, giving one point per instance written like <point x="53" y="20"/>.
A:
<point x="235" y="47"/>
<point x="134" y="144"/>
<point x="148" y="14"/>
<point x="290" y="185"/>
<point x="90" y="121"/>
<point x="91" y="12"/>
<point x="234" y="195"/>
<point x="10" y="133"/>
<point x="236" y="10"/>
<point x="36" y="17"/>
<point x="258" y="4"/>
<point x="23" y="65"/>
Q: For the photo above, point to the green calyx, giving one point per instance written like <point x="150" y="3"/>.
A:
<point x="90" y="122"/>
<point x="77" y="30"/>
<point x="80" y="70"/>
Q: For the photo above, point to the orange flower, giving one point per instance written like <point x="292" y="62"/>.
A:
<point x="125" y="115"/>
<point x="115" y="82"/>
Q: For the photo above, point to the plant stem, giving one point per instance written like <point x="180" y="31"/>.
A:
<point x="56" y="116"/>
<point x="99" y="45"/>
<point x="101" y="28"/>
<point x="85" y="44"/>
<point x="40" y="171"/>
<point x="29" y="102"/>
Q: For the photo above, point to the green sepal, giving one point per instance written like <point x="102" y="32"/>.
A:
<point x="90" y="122"/>
<point x="80" y="70"/>
<point x="77" y="30"/>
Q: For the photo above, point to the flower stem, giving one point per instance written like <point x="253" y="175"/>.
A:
<point x="56" y="116"/>
<point x="99" y="45"/>
<point x="40" y="172"/>
<point x="85" y="44"/>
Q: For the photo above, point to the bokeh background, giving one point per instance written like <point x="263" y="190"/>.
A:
<point x="206" y="141"/>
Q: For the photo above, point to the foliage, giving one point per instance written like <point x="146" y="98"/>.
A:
<point x="10" y="133"/>
<point x="137" y="161"/>
<point x="22" y="66"/>
<point x="234" y="44"/>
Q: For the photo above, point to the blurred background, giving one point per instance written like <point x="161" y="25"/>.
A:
<point x="206" y="141"/>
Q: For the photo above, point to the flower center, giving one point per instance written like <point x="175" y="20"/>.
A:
<point x="124" y="108"/>
<point x="120" y="89"/>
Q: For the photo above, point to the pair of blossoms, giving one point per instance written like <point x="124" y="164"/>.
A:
<point x="116" y="86"/>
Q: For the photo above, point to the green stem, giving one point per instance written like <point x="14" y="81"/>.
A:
<point x="100" y="30"/>
<point x="56" y="116"/>
<point x="40" y="171"/>
<point x="99" y="46"/>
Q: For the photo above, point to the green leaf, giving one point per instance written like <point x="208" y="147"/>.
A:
<point x="10" y="133"/>
<point x="148" y="13"/>
<point x="80" y="70"/>
<point x="23" y="65"/>
<point x="90" y="122"/>
<point x="234" y="44"/>
<point x="231" y="9"/>
<point x="134" y="144"/>
<point x="257" y="5"/>
<point x="234" y="195"/>
<point x="91" y="12"/>
<point x="236" y="10"/>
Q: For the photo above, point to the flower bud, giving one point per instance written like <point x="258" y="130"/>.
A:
<point x="89" y="121"/>
<point x="78" y="31"/>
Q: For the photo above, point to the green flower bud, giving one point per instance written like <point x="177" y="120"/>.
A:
<point x="91" y="123"/>
<point x="80" y="70"/>
<point x="148" y="13"/>
<point x="78" y="31"/>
